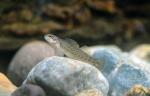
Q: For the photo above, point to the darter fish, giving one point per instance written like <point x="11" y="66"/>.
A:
<point x="71" y="49"/>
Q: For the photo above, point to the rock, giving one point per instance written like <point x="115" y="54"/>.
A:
<point x="60" y="76"/>
<point x="142" y="51"/>
<point x="135" y="59"/>
<point x="139" y="90"/>
<point x="6" y="87"/>
<point x="109" y="58"/>
<point x="128" y="74"/>
<point x="27" y="57"/>
<point x="109" y="55"/>
<point x="90" y="92"/>
<point x="91" y="49"/>
<point x="119" y="68"/>
<point x="29" y="90"/>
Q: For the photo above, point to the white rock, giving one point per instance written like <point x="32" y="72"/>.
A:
<point x="122" y="70"/>
<point x="142" y="52"/>
<point x="128" y="74"/>
<point x="109" y="59"/>
<point x="66" y="76"/>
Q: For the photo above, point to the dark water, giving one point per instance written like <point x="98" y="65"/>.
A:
<point x="5" y="58"/>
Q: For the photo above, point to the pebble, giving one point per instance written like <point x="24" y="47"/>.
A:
<point x="127" y="74"/>
<point x="137" y="60"/>
<point x="61" y="75"/>
<point x="121" y="69"/>
<point x="142" y="52"/>
<point x="109" y="55"/>
<point x="27" y="57"/>
<point x="29" y="90"/>
<point x="109" y="58"/>
<point x="6" y="87"/>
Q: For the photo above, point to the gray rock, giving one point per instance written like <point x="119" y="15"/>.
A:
<point x="109" y="58"/>
<point x="128" y="74"/>
<point x="109" y="55"/>
<point x="60" y="76"/>
<point x="29" y="90"/>
<point x="122" y="70"/>
<point x="27" y="57"/>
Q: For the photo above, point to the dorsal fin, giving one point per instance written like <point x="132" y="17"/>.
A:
<point x="72" y="42"/>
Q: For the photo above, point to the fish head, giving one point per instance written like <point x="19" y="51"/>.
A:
<point x="52" y="40"/>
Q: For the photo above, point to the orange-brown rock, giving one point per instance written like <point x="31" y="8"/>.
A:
<point x="139" y="90"/>
<point x="6" y="87"/>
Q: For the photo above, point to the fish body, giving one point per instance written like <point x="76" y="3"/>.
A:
<point x="72" y="50"/>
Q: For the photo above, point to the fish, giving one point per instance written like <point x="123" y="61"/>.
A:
<point x="72" y="50"/>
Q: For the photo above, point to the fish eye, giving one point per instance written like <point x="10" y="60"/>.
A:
<point x="52" y="37"/>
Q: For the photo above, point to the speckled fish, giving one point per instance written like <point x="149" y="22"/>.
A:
<point x="71" y="49"/>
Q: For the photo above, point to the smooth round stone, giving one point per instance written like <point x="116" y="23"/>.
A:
<point x="60" y="76"/>
<point x="6" y="87"/>
<point x="109" y="59"/>
<point x="91" y="49"/>
<point x="128" y="74"/>
<point x="29" y="90"/>
<point x="27" y="57"/>
<point x="142" y="52"/>
<point x="90" y="92"/>
<point x="135" y="59"/>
